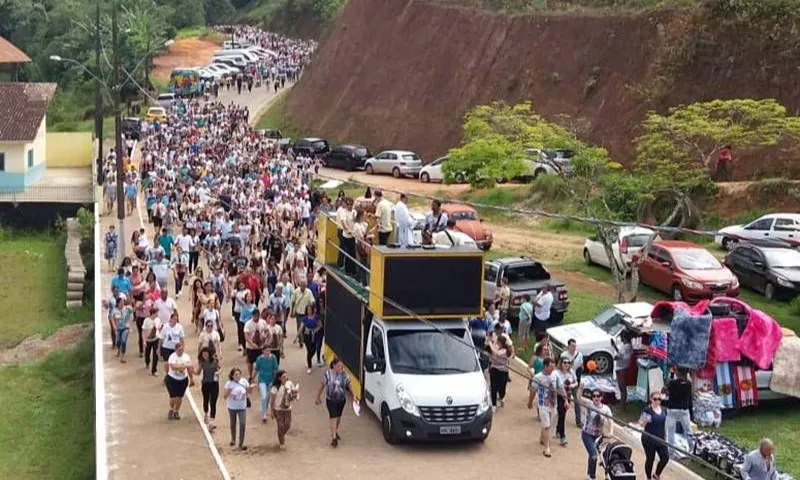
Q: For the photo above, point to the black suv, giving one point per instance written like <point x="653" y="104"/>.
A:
<point x="311" y="147"/>
<point x="131" y="127"/>
<point x="348" y="157"/>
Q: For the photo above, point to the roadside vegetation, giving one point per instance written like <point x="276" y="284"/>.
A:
<point x="33" y="287"/>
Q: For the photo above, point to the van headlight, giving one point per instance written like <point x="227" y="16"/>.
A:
<point x="784" y="282"/>
<point x="692" y="284"/>
<point x="405" y="400"/>
<point x="485" y="404"/>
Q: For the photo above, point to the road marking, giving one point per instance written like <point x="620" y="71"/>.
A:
<point x="206" y="433"/>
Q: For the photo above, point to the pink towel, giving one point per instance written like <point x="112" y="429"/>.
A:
<point x="760" y="339"/>
<point x="725" y="340"/>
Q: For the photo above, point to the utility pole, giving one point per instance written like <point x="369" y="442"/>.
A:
<point x="98" y="97"/>
<point x="118" y="133"/>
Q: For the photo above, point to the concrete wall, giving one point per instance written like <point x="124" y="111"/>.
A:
<point x="69" y="149"/>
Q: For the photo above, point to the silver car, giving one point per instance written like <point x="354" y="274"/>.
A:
<point x="398" y="163"/>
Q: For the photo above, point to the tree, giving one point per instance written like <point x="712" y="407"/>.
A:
<point x="683" y="144"/>
<point x="218" y="12"/>
<point x="147" y="25"/>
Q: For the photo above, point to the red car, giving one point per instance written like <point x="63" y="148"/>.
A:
<point x="687" y="272"/>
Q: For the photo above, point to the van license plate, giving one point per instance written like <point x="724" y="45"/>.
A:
<point x="450" y="430"/>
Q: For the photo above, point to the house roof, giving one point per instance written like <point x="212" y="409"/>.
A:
<point x="22" y="108"/>
<point x="11" y="54"/>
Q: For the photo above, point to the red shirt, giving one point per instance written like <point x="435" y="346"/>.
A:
<point x="251" y="283"/>
<point x="724" y="157"/>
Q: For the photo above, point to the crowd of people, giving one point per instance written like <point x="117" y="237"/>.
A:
<point x="230" y="223"/>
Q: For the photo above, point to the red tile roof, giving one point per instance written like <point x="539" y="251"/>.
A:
<point x="11" y="54"/>
<point x="22" y="108"/>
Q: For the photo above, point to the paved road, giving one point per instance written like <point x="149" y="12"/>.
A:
<point x="143" y="444"/>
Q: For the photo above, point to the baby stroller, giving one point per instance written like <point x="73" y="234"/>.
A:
<point x="615" y="459"/>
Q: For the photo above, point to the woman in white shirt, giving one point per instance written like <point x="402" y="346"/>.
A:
<point x="179" y="376"/>
<point x="171" y="335"/>
<point x="236" y="392"/>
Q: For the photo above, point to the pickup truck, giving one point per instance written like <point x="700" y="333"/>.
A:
<point x="525" y="276"/>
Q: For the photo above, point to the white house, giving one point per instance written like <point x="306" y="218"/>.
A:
<point x="23" y="131"/>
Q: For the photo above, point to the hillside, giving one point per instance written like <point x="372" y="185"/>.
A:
<point x="403" y="72"/>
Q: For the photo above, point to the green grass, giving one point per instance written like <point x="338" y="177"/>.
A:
<point x="86" y="125"/>
<point x="777" y="420"/>
<point x="33" y="287"/>
<point x="275" y="118"/>
<point x="199" y="32"/>
<point x="500" y="197"/>
<point x="48" y="417"/>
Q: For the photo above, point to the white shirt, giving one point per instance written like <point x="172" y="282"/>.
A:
<point x="184" y="241"/>
<point x="401" y="215"/>
<point x="541" y="309"/>
<point x="165" y="309"/>
<point x="170" y="336"/>
<point x="180" y="361"/>
<point x="384" y="213"/>
<point x="148" y="324"/>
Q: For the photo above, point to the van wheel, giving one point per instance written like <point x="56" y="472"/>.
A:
<point x="424" y="178"/>
<point x="539" y="171"/>
<point x="677" y="294"/>
<point x="587" y="257"/>
<point x="728" y="243"/>
<point x="368" y="169"/>
<point x="460" y="178"/>
<point x="501" y="180"/>
<point x="769" y="291"/>
<point x="387" y="427"/>
<point x="396" y="172"/>
<point x="605" y="364"/>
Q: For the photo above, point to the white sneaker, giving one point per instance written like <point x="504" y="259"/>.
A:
<point x="308" y="371"/>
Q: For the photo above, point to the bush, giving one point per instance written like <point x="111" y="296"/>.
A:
<point x="549" y="187"/>
<point x="772" y="187"/>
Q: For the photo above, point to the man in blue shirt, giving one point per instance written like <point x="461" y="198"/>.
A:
<point x="121" y="282"/>
<point x="166" y="241"/>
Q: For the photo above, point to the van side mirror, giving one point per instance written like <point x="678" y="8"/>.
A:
<point x="373" y="364"/>
<point x="758" y="264"/>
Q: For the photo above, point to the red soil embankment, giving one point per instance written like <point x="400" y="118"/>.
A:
<point x="402" y="73"/>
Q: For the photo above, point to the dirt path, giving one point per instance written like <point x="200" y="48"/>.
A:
<point x="186" y="52"/>
<point x="36" y="347"/>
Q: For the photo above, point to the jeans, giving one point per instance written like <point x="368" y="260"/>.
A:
<point x="122" y="340"/>
<point x="310" y="341"/>
<point x="318" y="345"/>
<point x="651" y="447"/>
<point x="675" y="416"/>
<point x="591" y="449"/>
<point x="263" y="389"/>
<point x="241" y="415"/>
<point x="561" y="408"/>
<point x="240" y="333"/>
<point x="151" y="349"/>
<point x="383" y="238"/>
<point x="210" y="395"/>
<point x="194" y="259"/>
<point x="497" y="383"/>
<point x="139" y="322"/>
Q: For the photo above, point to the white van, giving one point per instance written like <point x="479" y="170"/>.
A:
<point x="424" y="384"/>
<point x="249" y="57"/>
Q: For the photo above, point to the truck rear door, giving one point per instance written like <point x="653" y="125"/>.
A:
<point x="490" y="276"/>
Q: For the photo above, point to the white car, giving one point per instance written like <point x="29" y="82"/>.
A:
<point x="222" y="69"/>
<point x="398" y="163"/>
<point x="432" y="172"/>
<point x="783" y="227"/>
<point x="207" y="73"/>
<point x="630" y="241"/>
<point x="597" y="338"/>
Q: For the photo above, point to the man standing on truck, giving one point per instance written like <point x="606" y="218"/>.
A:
<point x="403" y="219"/>
<point x="383" y="213"/>
<point x="541" y="310"/>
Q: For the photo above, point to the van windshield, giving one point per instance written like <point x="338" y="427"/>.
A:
<point x="431" y="352"/>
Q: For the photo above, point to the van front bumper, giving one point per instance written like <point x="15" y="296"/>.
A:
<point x="412" y="428"/>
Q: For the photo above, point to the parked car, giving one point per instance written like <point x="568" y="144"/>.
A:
<point x="271" y="133"/>
<point x="165" y="100"/>
<point x="525" y="276"/>
<point x="432" y="172"/>
<point x="206" y="73"/>
<point x="154" y="114"/>
<point x="468" y="222"/>
<point x="311" y="146"/>
<point x="399" y="163"/>
<point x="629" y="241"/>
<point x="598" y="338"/>
<point x="773" y="271"/>
<point x="131" y="127"/>
<point x="687" y="272"/>
<point x="225" y="70"/>
<point x="348" y="157"/>
<point x="776" y="226"/>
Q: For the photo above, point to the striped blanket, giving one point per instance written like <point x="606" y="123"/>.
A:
<point x="746" y="386"/>
<point x="724" y="385"/>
